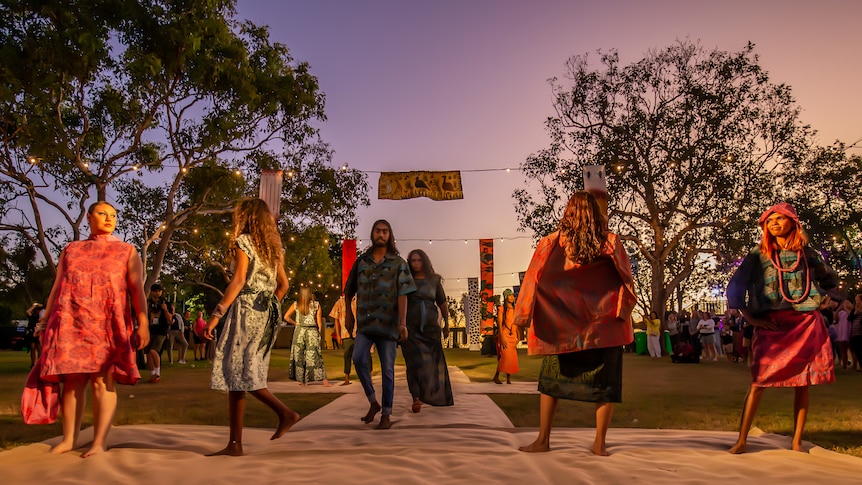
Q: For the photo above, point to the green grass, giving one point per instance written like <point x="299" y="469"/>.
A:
<point x="656" y="394"/>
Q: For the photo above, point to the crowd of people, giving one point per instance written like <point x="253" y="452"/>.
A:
<point x="576" y="303"/>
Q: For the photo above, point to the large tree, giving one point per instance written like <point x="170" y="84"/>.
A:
<point x="690" y="139"/>
<point x="183" y="94"/>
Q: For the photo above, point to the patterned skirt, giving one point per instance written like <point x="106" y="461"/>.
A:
<point x="306" y="360"/>
<point x="592" y="375"/>
<point x="796" y="354"/>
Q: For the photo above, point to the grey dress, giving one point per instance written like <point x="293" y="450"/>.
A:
<point x="242" y="356"/>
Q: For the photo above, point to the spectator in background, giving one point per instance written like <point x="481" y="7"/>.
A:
<point x="706" y="333"/>
<point x="161" y="314"/>
<point x="672" y="323"/>
<point x="178" y="333"/>
<point x="200" y="341"/>
<point x="856" y="334"/>
<point x="653" y="329"/>
<point x="34" y="313"/>
<point x="843" y="332"/>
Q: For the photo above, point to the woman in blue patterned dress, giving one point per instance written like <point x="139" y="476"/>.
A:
<point x="306" y="361"/>
<point x="250" y="306"/>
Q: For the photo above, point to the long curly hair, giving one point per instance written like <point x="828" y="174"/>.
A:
<point x="252" y="217"/>
<point x="582" y="228"/>
<point x="426" y="262"/>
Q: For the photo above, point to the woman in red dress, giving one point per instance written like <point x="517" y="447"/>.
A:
<point x="578" y="295"/>
<point x="785" y="281"/>
<point x="88" y="334"/>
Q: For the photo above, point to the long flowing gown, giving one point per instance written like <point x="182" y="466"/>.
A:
<point x="508" y="356"/>
<point x="90" y="327"/>
<point x="427" y="374"/>
<point x="306" y="360"/>
<point x="242" y="355"/>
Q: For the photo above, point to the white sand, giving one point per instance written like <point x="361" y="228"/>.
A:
<point x="471" y="442"/>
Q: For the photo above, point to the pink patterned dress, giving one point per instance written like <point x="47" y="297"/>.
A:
<point x="90" y="326"/>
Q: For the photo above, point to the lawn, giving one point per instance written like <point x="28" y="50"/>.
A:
<point x="656" y="394"/>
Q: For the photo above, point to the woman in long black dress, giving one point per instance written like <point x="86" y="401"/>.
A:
<point x="427" y="375"/>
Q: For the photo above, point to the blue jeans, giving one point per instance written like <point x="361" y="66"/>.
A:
<point x="386" y="350"/>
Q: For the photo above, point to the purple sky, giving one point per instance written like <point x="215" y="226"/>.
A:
<point x="446" y="85"/>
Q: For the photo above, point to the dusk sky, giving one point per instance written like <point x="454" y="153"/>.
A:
<point x="462" y="85"/>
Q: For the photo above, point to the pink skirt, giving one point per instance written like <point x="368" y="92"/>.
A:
<point x="797" y="354"/>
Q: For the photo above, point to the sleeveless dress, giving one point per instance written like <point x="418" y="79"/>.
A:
<point x="251" y="325"/>
<point x="508" y="357"/>
<point x="306" y="361"/>
<point x="427" y="374"/>
<point x="90" y="327"/>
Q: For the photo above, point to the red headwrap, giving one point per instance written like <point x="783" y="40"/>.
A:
<point x="781" y="208"/>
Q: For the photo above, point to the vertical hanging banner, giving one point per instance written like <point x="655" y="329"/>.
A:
<point x="596" y="183"/>
<point x="348" y="257"/>
<point x="270" y="190"/>
<point x="408" y="185"/>
<point x="472" y="317"/>
<point x="486" y="272"/>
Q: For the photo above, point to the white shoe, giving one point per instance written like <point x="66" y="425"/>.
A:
<point x="182" y="362"/>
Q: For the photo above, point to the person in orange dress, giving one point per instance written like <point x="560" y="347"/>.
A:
<point x="507" y="339"/>
<point x="87" y="333"/>
<point x="577" y="298"/>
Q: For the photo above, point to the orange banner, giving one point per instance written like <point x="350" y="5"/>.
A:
<point x="408" y="185"/>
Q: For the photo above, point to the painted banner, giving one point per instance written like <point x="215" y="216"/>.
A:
<point x="471" y="309"/>
<point x="408" y="185"/>
<point x="348" y="257"/>
<point x="486" y="290"/>
<point x="270" y="190"/>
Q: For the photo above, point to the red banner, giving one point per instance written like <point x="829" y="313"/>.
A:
<point x="486" y="288"/>
<point x="348" y="257"/>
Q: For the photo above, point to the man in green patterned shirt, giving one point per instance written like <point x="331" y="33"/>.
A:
<point x="380" y="279"/>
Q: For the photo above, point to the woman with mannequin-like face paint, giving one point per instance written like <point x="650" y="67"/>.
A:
<point x="96" y="344"/>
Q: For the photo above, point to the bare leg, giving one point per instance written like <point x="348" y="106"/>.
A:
<point x="385" y="423"/>
<point x="749" y="410"/>
<point x="604" y="412"/>
<point x="800" y="412"/>
<point x="104" y="408"/>
<point x="508" y="378"/>
<point x="497" y="377"/>
<point x="372" y="411"/>
<point x="547" y="411"/>
<point x="72" y="406"/>
<point x="236" y="409"/>
<point x="286" y="417"/>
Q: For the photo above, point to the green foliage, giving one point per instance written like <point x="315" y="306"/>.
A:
<point x="688" y="138"/>
<point x="174" y="107"/>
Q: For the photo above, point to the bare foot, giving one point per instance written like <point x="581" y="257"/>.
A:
<point x="284" y="423"/>
<point x="797" y="447"/>
<point x="62" y="447"/>
<point x="738" y="448"/>
<point x="345" y="383"/>
<point x="95" y="450"/>
<point x="599" y="449"/>
<point x="302" y="384"/>
<point x="536" y="447"/>
<point x="417" y="406"/>
<point x="497" y="381"/>
<point x="232" y="449"/>
<point x="326" y="383"/>
<point x="384" y="422"/>
<point x="372" y="411"/>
